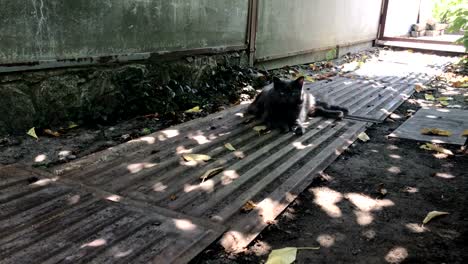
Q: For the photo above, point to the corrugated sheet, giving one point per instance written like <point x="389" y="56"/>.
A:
<point x="43" y="221"/>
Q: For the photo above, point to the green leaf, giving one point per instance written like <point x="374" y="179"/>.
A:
<point x="196" y="109"/>
<point x="230" y="147"/>
<point x="285" y="255"/>
<point x="32" y="133"/>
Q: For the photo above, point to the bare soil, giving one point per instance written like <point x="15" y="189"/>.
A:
<point x="369" y="205"/>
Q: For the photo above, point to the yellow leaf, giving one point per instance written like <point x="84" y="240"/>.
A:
<point x="285" y="255"/>
<point x="436" y="132"/>
<point x="196" y="109"/>
<point x="444" y="103"/>
<point x="196" y="157"/>
<point x="364" y="137"/>
<point x="52" y="133"/>
<point x="429" y="146"/>
<point x="248" y="206"/>
<point x="230" y="147"/>
<point x="282" y="256"/>
<point x="433" y="214"/>
<point x="465" y="133"/>
<point x="429" y="97"/>
<point x="419" y="87"/>
<point x="211" y="173"/>
<point x="310" y="79"/>
<point x="72" y="125"/>
<point x="32" y="133"/>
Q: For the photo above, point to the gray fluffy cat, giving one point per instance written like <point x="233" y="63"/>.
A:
<point x="285" y="105"/>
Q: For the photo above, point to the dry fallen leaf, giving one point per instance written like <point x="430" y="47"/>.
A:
<point x="248" y="206"/>
<point x="196" y="109"/>
<point x="173" y="197"/>
<point x="364" y="137"/>
<point x="32" y="133"/>
<point x="52" y="133"/>
<point x="285" y="255"/>
<point x="433" y="214"/>
<point x="211" y="173"/>
<point x="196" y="157"/>
<point x="429" y="97"/>
<point x="419" y="87"/>
<point x="429" y="146"/>
<point x="230" y="147"/>
<point x="436" y="132"/>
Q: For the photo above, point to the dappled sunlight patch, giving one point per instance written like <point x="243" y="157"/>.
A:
<point x="44" y="182"/>
<point x="267" y="210"/>
<point x="159" y="187"/>
<point x="229" y="176"/>
<point x="206" y="186"/>
<point x="200" y="139"/>
<point x="326" y="240"/>
<point x="170" y="133"/>
<point x="444" y="175"/>
<point x="367" y="204"/>
<point x="392" y="147"/>
<point x="394" y="156"/>
<point x="327" y="199"/>
<point x="95" y="243"/>
<point x="74" y="199"/>
<point x="363" y="218"/>
<point x="114" y="198"/>
<point x="40" y="158"/>
<point x="394" y="170"/>
<point x="415" y="228"/>
<point x="137" y="167"/>
<point x="396" y="255"/>
<point x="185" y="225"/>
<point x="148" y="140"/>
<point x="300" y="146"/>
<point x="122" y="254"/>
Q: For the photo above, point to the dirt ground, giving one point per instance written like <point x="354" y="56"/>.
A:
<point x="369" y="205"/>
<point x="366" y="208"/>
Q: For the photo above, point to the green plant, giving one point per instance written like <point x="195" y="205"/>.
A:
<point x="443" y="9"/>
<point x="460" y="23"/>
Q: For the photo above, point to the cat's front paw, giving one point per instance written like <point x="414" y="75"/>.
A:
<point x="299" y="131"/>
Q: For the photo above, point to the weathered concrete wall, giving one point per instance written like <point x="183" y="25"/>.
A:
<point x="58" y="29"/>
<point x="53" y="98"/>
<point x="401" y="15"/>
<point x="301" y="25"/>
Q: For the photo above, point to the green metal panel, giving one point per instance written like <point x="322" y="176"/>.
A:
<point x="287" y="27"/>
<point x="59" y="29"/>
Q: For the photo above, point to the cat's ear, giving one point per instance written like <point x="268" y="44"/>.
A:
<point x="276" y="80"/>
<point x="300" y="81"/>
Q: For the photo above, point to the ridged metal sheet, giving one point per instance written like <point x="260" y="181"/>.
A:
<point x="365" y="98"/>
<point x="268" y="169"/>
<point x="44" y="221"/>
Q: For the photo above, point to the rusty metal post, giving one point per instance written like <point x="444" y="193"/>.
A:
<point x="383" y="19"/>
<point x="252" y="30"/>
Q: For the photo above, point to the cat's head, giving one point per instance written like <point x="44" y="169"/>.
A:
<point x="289" y="91"/>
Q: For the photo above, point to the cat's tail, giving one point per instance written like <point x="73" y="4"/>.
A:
<point x="339" y="108"/>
